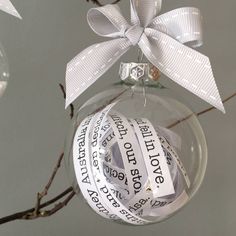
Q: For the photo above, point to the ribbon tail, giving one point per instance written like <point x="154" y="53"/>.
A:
<point x="90" y="64"/>
<point x="6" y="6"/>
<point x="187" y="67"/>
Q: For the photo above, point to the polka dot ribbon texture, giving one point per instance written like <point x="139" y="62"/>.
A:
<point x="6" y="5"/>
<point x="164" y="39"/>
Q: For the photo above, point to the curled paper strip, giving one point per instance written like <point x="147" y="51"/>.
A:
<point x="164" y="40"/>
<point x="128" y="170"/>
<point x="6" y="5"/>
<point x="154" y="157"/>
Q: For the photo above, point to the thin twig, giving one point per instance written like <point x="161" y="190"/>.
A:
<point x="213" y="108"/>
<point x="41" y="195"/>
<point x="58" y="206"/>
<point x="58" y="165"/>
<point x="71" y="105"/>
<point x="200" y="113"/>
<point x="22" y="215"/>
<point x="34" y="213"/>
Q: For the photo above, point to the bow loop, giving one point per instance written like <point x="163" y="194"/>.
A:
<point x="107" y="21"/>
<point x="142" y="12"/>
<point x="183" y="24"/>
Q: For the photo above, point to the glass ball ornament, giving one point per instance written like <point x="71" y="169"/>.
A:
<point x="136" y="153"/>
<point x="4" y="71"/>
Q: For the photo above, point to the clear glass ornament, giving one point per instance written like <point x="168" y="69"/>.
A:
<point x="4" y="71"/>
<point x="137" y="186"/>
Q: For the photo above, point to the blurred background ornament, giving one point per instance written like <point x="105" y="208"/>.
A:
<point x="6" y="6"/>
<point x="4" y="71"/>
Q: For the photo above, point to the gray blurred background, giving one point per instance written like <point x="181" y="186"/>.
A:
<point x="33" y="122"/>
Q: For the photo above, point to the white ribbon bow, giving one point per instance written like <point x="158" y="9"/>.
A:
<point x="163" y="39"/>
<point x="6" y="5"/>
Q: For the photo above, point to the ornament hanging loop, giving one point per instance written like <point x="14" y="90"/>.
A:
<point x="140" y="56"/>
<point x="140" y="60"/>
<point x="139" y="75"/>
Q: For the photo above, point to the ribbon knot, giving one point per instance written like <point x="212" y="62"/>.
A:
<point x="164" y="39"/>
<point x="134" y="34"/>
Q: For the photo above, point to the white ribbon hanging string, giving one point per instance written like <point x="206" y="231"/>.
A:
<point x="164" y="39"/>
<point x="6" y="5"/>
